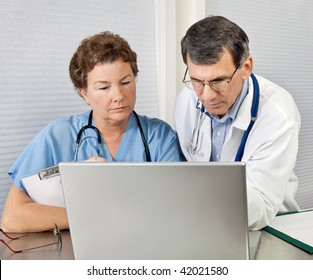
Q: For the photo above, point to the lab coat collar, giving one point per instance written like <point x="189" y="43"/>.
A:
<point x="242" y="119"/>
<point x="240" y="124"/>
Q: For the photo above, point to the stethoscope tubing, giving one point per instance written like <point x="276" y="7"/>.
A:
<point x="254" y="112"/>
<point x="194" y="145"/>
<point x="196" y="132"/>
<point x="90" y="126"/>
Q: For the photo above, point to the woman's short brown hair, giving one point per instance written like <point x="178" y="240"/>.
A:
<point x="104" y="47"/>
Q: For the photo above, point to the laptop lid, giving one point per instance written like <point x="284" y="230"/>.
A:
<point x="156" y="210"/>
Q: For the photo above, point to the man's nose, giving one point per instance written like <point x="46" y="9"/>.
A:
<point x="207" y="93"/>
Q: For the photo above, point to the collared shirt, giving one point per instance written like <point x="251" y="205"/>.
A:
<point x="221" y="126"/>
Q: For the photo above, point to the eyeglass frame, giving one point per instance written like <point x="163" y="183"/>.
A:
<point x="189" y="85"/>
<point x="56" y="233"/>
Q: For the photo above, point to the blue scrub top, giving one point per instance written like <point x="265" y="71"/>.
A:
<point x="56" y="143"/>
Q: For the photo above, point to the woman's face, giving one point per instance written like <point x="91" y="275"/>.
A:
<point x="111" y="92"/>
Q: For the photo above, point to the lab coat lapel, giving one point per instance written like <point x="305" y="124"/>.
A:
<point x="238" y="127"/>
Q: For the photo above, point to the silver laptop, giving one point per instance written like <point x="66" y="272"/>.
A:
<point x="156" y="211"/>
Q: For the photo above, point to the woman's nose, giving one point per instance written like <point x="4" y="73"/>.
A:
<point x="117" y="94"/>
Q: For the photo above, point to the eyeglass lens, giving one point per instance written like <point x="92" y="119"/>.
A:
<point x="56" y="233"/>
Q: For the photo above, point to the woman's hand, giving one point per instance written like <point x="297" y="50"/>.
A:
<point x="96" y="159"/>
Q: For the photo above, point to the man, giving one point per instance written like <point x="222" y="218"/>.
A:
<point x="221" y="100"/>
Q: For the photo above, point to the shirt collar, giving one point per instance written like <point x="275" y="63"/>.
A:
<point x="235" y="108"/>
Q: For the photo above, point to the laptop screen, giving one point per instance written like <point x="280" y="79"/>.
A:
<point x="156" y="210"/>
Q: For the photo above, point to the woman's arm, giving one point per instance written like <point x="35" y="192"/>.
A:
<point x="21" y="214"/>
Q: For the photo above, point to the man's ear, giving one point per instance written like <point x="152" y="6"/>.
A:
<point x="247" y="67"/>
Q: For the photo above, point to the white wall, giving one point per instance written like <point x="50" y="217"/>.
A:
<point x="173" y="17"/>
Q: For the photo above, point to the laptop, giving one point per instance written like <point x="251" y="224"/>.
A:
<point x="156" y="211"/>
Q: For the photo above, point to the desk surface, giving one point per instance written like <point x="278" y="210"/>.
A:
<point x="270" y="248"/>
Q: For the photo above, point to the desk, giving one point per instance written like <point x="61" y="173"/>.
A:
<point x="271" y="248"/>
<point x="37" y="239"/>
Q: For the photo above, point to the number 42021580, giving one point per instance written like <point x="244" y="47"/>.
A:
<point x="213" y="270"/>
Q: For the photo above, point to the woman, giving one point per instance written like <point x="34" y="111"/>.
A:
<point x="103" y="71"/>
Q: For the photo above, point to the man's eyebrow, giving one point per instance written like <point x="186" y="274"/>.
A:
<point x="220" y="78"/>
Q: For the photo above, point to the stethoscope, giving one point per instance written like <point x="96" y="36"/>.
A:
<point x="90" y="126"/>
<point x="195" y="145"/>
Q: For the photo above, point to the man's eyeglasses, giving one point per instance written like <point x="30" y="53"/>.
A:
<point x="217" y="85"/>
<point x="55" y="231"/>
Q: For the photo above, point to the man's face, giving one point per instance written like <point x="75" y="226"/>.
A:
<point x="223" y="82"/>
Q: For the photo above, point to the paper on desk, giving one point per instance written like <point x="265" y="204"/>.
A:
<point x="295" y="228"/>
<point x="47" y="191"/>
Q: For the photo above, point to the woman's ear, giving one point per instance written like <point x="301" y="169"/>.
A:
<point x="84" y="94"/>
<point x="247" y="67"/>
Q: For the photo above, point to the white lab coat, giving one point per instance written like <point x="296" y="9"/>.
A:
<point x="270" y="152"/>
